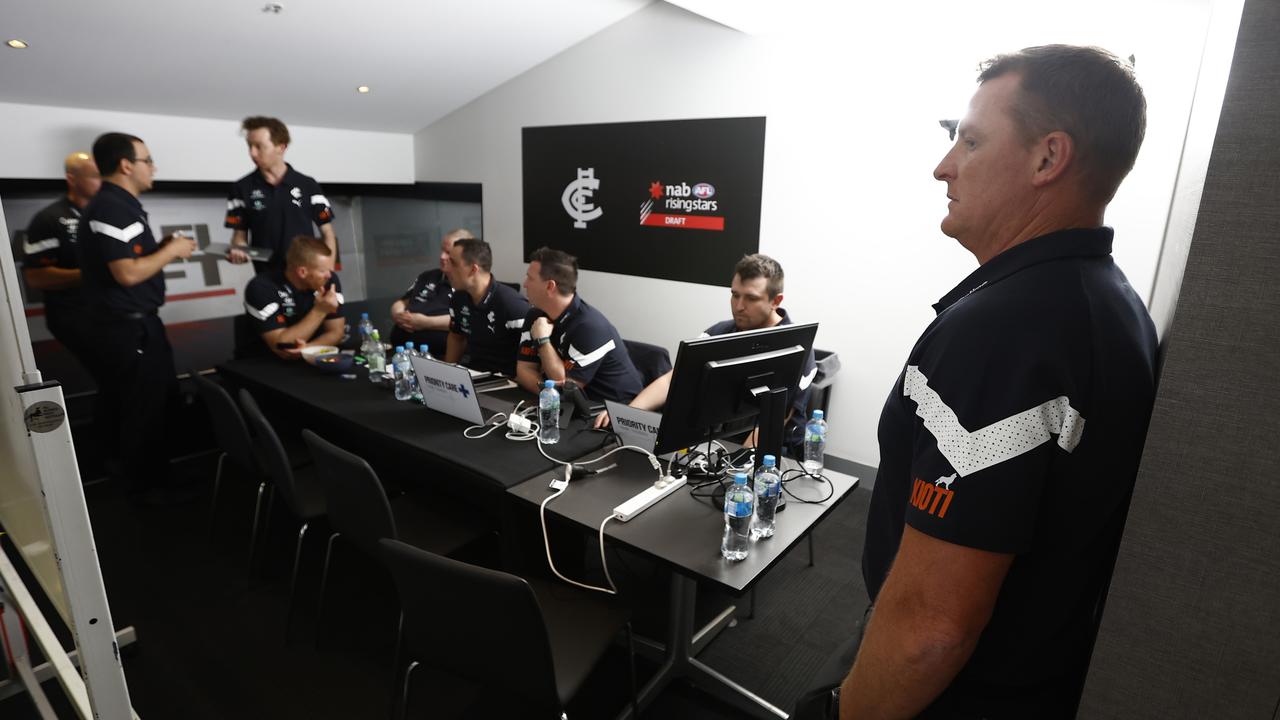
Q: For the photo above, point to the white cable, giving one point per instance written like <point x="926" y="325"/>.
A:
<point x="546" y="544"/>
<point x="492" y="423"/>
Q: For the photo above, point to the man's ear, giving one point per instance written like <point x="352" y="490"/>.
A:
<point x="776" y="302"/>
<point x="1053" y="155"/>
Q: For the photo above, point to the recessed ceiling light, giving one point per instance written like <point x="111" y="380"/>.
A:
<point x="17" y="44"/>
<point x="272" y="8"/>
<point x="363" y="89"/>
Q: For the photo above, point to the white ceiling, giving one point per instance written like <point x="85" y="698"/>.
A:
<point x="228" y="59"/>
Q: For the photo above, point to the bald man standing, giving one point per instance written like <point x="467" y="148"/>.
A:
<point x="50" y="255"/>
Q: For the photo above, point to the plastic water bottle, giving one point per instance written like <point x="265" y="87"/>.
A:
<point x="549" y="414"/>
<point x="738" y="506"/>
<point x="401" y="367"/>
<point x="422" y="351"/>
<point x="366" y="328"/>
<point x="376" y="357"/>
<point x="768" y="490"/>
<point x="411" y="352"/>
<point x="815" y="443"/>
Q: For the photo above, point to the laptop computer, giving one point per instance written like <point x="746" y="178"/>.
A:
<point x="257" y="254"/>
<point x="448" y="389"/>
<point x="633" y="426"/>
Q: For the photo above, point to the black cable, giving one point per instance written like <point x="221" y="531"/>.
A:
<point x="796" y="474"/>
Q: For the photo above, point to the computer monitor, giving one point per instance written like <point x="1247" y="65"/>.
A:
<point x="721" y="381"/>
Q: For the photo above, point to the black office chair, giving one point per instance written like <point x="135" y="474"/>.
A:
<point x="360" y="512"/>
<point x="299" y="487"/>
<point x="528" y="645"/>
<point x="233" y="438"/>
<point x="651" y="360"/>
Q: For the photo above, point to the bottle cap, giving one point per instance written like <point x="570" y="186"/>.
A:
<point x="423" y="348"/>
<point x="409" y="345"/>
<point x="549" y="384"/>
<point x="770" y="461"/>
<point x="740" y="479"/>
<point x="399" y="348"/>
<point x="817" y="414"/>
<point x="364" y="316"/>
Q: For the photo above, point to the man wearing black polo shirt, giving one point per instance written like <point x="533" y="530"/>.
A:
<point x="1010" y="442"/>
<point x="51" y="256"/>
<point x="297" y="306"/>
<point x="122" y="271"/>
<point x="564" y="338"/>
<point x="486" y="315"/>
<point x="421" y="315"/>
<point x="755" y="300"/>
<point x="272" y="205"/>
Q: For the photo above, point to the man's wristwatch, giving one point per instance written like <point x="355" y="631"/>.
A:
<point x="542" y="340"/>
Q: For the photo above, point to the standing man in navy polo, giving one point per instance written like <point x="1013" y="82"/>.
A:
<point x="486" y="315"/>
<point x="51" y="256"/>
<point x="564" y="338"/>
<point x="421" y="315"/>
<point x="1010" y="442"/>
<point x="272" y="205"/>
<point x="755" y="301"/>
<point x="122" y="269"/>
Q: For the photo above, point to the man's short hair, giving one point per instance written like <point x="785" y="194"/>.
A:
<point x="475" y="252"/>
<point x="276" y="129"/>
<point x="1087" y="92"/>
<point x="758" y="265"/>
<point x="110" y="148"/>
<point x="304" y="249"/>
<point x="557" y="265"/>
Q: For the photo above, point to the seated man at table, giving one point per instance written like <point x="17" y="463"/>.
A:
<point x="755" y="300"/>
<point x="565" y="339"/>
<point x="485" y="315"/>
<point x="421" y="315"/>
<point x="297" y="306"/>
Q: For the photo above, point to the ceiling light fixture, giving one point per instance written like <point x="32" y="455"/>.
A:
<point x="363" y="89"/>
<point x="272" y="8"/>
<point x="17" y="44"/>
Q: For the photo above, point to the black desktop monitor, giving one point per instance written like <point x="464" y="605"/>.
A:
<point x="719" y="382"/>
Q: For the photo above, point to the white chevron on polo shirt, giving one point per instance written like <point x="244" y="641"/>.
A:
<point x="122" y="234"/>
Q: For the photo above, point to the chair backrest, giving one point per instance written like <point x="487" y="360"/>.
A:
<point x="482" y="625"/>
<point x="247" y="343"/>
<point x="271" y="453"/>
<point x="651" y="360"/>
<point x="229" y="427"/>
<point x="358" y="506"/>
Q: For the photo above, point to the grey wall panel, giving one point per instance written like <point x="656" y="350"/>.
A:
<point x="1192" y="624"/>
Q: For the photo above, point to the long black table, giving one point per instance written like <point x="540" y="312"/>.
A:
<point x="683" y="533"/>
<point x="367" y="419"/>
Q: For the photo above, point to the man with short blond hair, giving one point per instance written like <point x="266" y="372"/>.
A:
<point x="421" y="315"/>
<point x="297" y="306"/>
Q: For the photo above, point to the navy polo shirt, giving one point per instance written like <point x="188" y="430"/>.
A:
<point x="274" y="215"/>
<point x="118" y="228"/>
<point x="272" y="302"/>
<point x="52" y="242"/>
<point x="1016" y="427"/>
<point x="492" y="327"/>
<point x="591" y="349"/>
<point x="428" y="295"/>
<point x="793" y="434"/>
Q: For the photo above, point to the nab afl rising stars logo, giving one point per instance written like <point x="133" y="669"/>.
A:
<point x="577" y="198"/>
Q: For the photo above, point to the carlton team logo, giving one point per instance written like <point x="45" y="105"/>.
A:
<point x="577" y="198"/>
<point x="689" y="207"/>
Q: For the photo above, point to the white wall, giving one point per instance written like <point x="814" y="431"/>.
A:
<point x="850" y="208"/>
<point x="38" y="137"/>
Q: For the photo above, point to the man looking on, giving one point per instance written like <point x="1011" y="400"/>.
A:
<point x="122" y="273"/>
<point x="275" y="203"/>
<point x="486" y="315"/>
<point x="755" y="300"/>
<point x="297" y="306"/>
<point x="1010" y="442"/>
<point x="564" y="338"/>
<point x="422" y="314"/>
<point x="51" y="256"/>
